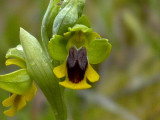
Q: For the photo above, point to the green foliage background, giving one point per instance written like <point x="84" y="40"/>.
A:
<point x="130" y="78"/>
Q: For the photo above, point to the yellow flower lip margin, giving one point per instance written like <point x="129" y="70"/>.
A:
<point x="18" y="97"/>
<point x="63" y="71"/>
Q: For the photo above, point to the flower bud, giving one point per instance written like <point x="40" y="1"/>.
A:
<point x="69" y="13"/>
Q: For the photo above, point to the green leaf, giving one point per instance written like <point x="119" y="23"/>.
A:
<point x="17" y="82"/>
<point x="57" y="48"/>
<point x="16" y="52"/>
<point x="98" y="50"/>
<point x="84" y="21"/>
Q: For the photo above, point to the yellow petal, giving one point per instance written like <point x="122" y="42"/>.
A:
<point x="91" y="74"/>
<point x="77" y="86"/>
<point x="31" y="93"/>
<point x="20" y="102"/>
<point x="17" y="62"/>
<point x="11" y="112"/>
<point x="60" y="71"/>
<point x="17" y="103"/>
<point x="9" y="101"/>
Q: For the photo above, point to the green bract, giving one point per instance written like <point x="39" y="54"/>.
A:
<point x="80" y="35"/>
<point x="47" y="22"/>
<point x="40" y="68"/>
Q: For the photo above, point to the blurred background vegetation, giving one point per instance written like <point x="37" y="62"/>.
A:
<point x="129" y="88"/>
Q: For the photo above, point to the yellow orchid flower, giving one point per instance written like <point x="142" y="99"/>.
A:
<point x="18" y="83"/>
<point x="78" y="48"/>
<point x="17" y="102"/>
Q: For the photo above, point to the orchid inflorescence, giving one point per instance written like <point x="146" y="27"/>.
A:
<point x="68" y="50"/>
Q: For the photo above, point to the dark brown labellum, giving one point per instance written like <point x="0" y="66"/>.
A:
<point x="77" y="64"/>
<point x="10" y="94"/>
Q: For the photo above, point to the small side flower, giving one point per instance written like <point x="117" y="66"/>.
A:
<point x="17" y="102"/>
<point x="18" y="83"/>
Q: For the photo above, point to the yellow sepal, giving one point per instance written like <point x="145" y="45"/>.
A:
<point x="9" y="101"/>
<point x="16" y="102"/>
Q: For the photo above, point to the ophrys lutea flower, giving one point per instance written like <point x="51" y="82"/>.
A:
<point x="18" y="83"/>
<point x="76" y="50"/>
